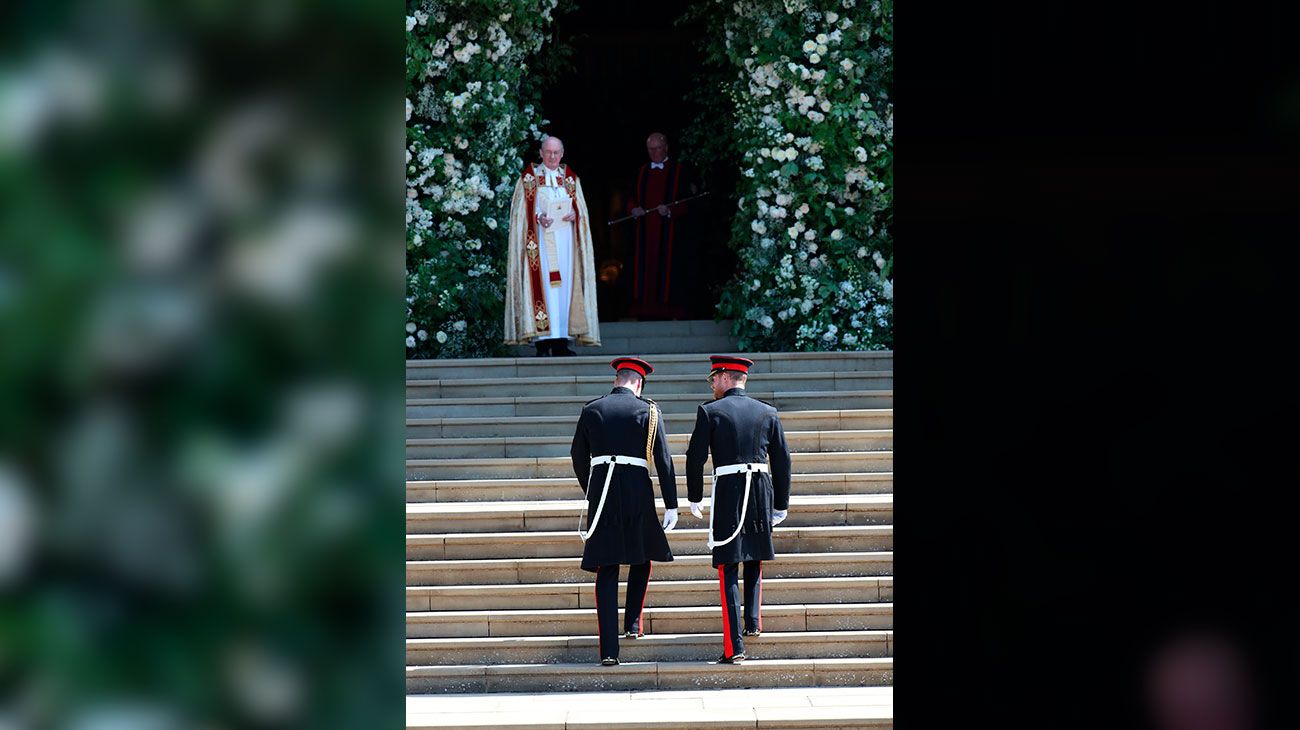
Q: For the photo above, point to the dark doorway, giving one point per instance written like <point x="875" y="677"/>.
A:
<point x="632" y="69"/>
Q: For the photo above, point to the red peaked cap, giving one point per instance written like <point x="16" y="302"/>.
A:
<point x="632" y="363"/>
<point x="727" y="362"/>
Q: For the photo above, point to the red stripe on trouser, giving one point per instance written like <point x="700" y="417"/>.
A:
<point x="728" y="649"/>
<point x="759" y="607"/>
<point x="640" y="612"/>
<point x="595" y="592"/>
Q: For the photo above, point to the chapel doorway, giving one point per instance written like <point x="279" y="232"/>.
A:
<point x="632" y="66"/>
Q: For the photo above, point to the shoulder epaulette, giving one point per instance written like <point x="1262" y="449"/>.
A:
<point x="760" y="400"/>
<point x="593" y="400"/>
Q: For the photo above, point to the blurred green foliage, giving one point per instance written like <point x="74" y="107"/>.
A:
<point x="201" y="432"/>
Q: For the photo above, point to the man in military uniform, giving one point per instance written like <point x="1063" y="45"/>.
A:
<point x="617" y="436"/>
<point x="749" y="496"/>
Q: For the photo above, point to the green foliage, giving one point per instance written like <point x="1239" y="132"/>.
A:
<point x="799" y="92"/>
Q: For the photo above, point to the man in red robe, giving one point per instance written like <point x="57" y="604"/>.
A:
<point x="659" y="264"/>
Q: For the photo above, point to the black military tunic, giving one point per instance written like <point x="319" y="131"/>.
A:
<point x="629" y="531"/>
<point x="740" y="430"/>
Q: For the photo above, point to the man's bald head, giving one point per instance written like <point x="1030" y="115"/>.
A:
<point x="552" y="151"/>
<point x="656" y="145"/>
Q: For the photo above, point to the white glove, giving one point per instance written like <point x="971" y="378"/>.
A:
<point x="670" y="519"/>
<point x="695" y="509"/>
<point x="778" y="516"/>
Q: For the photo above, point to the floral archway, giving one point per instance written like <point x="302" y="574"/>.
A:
<point x="798" y="97"/>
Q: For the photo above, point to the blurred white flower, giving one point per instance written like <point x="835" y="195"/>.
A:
<point x="808" y="46"/>
<point x="422" y="335"/>
<point x="814" y="58"/>
<point x="410" y="341"/>
<point x="837" y="234"/>
<point x="862" y="252"/>
<point x="410" y="327"/>
<point x="441" y="337"/>
<point x="459" y="325"/>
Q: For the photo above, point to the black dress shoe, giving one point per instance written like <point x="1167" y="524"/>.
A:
<point x="733" y="659"/>
<point x="608" y="661"/>
<point x="543" y="347"/>
<point x="751" y="632"/>
<point x="562" y="348"/>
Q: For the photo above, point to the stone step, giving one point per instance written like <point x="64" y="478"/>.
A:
<point x="495" y="571"/>
<point x="648" y="347"/>
<point x="571" y="405"/>
<point x="704" y="592"/>
<point x="563" y="515"/>
<point x="525" y="446"/>
<point x="679" y="364"/>
<point x="652" y="647"/>
<point x="566" y="544"/>
<point x="865" y="419"/>
<point x="588" y="676"/>
<point x="530" y="467"/>
<point x="553" y="488"/>
<point x="679" y="620"/>
<point x="597" y="385"/>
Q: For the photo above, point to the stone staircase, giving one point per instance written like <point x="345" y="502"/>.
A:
<point x="496" y="601"/>
<point x="684" y="336"/>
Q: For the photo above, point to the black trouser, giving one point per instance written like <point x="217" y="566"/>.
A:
<point x="732" y="643"/>
<point x="638" y="577"/>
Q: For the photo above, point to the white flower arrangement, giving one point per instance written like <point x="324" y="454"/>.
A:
<point x="814" y="84"/>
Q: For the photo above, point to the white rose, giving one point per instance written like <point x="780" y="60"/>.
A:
<point x="826" y="105"/>
<point x="847" y="64"/>
<point x="814" y="58"/>
<point x="410" y="341"/>
<point x="459" y="326"/>
<point x="861" y="154"/>
<point x="410" y="327"/>
<point x="441" y="336"/>
<point x="492" y="223"/>
<point x="821" y="40"/>
<point x="862" y="252"/>
<point x="809" y="235"/>
<point x="422" y="335"/>
<point x="822" y="48"/>
<point x="409" y="108"/>
<point x="808" y="46"/>
<point x="766" y="321"/>
<point x="837" y="234"/>
<point x="832" y="17"/>
<point x="410" y="24"/>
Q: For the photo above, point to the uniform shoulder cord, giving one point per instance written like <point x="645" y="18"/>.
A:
<point x="650" y="434"/>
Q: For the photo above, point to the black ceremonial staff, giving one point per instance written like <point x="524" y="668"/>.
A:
<point x="652" y="210"/>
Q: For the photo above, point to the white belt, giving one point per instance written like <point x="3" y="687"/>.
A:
<point x="722" y="471"/>
<point x="604" y="492"/>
